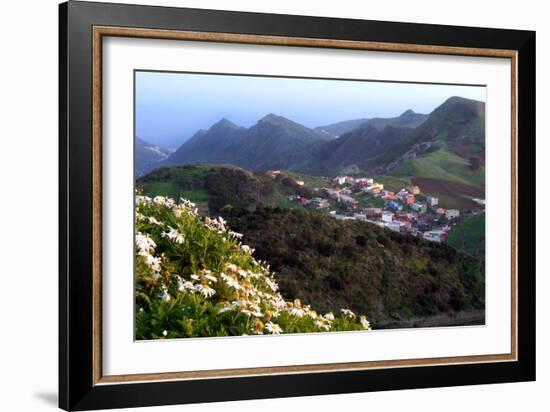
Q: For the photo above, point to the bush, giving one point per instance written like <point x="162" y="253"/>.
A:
<point x="195" y="278"/>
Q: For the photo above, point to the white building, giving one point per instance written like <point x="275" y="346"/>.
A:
<point x="452" y="213"/>
<point x="432" y="201"/>
<point x="340" y="179"/>
<point x="395" y="226"/>
<point x="435" y="236"/>
<point x="364" y="181"/>
<point x="387" y="216"/>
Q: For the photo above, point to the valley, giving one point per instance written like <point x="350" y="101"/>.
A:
<point x="385" y="216"/>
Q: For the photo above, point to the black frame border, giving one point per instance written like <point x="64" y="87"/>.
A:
<point x="76" y="387"/>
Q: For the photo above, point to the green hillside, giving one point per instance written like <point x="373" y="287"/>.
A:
<point x="194" y="278"/>
<point x="469" y="235"/>
<point x="442" y="164"/>
<point x="329" y="263"/>
<point x="445" y="175"/>
<point x="212" y="187"/>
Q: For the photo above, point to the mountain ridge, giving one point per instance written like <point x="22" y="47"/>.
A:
<point x="380" y="145"/>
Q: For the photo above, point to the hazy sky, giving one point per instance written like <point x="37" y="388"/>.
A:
<point x="171" y="107"/>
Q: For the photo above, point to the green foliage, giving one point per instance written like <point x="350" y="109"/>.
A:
<point x="331" y="264"/>
<point x="469" y="235"/>
<point x="194" y="278"/>
<point x="213" y="187"/>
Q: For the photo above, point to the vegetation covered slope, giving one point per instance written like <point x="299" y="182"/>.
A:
<point x="214" y="186"/>
<point x="195" y="278"/>
<point x="469" y="235"/>
<point x="330" y="263"/>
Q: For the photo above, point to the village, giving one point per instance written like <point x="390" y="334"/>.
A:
<point x="363" y="199"/>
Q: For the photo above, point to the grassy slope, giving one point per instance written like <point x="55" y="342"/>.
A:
<point x="444" y="165"/>
<point x="469" y="235"/>
<point x="392" y="182"/>
<point x="451" y="178"/>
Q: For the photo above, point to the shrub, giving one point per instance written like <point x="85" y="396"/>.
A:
<point x="195" y="278"/>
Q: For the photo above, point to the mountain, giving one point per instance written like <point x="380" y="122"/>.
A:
<point x="273" y="142"/>
<point x="148" y="155"/>
<point x="408" y="119"/>
<point x="351" y="151"/>
<point x="338" y="129"/>
<point x="379" y="146"/>
<point x="214" y="145"/>
<point x="457" y="125"/>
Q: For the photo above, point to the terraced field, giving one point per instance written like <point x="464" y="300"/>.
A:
<point x="452" y="195"/>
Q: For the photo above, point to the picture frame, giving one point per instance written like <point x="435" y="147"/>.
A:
<point x="83" y="26"/>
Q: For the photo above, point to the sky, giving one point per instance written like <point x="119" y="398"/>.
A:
<point x="171" y="107"/>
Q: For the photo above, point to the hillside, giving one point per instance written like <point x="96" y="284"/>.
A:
<point x="214" y="186"/>
<point x="378" y="145"/>
<point x="274" y="142"/>
<point x="457" y="125"/>
<point x="340" y="128"/>
<point x="469" y="235"/>
<point x="444" y="154"/>
<point x="148" y="156"/>
<point x="408" y="119"/>
<point x="353" y="149"/>
<point x="330" y="263"/>
<point x="194" y="278"/>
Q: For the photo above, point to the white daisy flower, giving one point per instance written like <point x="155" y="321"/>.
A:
<point x="235" y="234"/>
<point x="159" y="200"/>
<point x="364" y="322"/>
<point x="174" y="235"/>
<point x="231" y="267"/>
<point x="181" y="284"/>
<point x="153" y="221"/>
<point x="272" y="284"/>
<point x="348" y="313"/>
<point x="189" y="286"/>
<point x="206" y="290"/>
<point x="247" y="249"/>
<point x="297" y="312"/>
<point x="211" y="277"/>
<point x="143" y="200"/>
<point x="323" y="325"/>
<point x="273" y="328"/>
<point x="232" y="282"/>
<point x="144" y="243"/>
<point x="165" y="294"/>
<point x="329" y="316"/>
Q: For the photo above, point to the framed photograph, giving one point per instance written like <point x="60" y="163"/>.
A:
<point x="256" y="205"/>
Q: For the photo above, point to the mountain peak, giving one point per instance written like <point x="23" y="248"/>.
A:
<point x="408" y="113"/>
<point x="459" y="99"/>
<point x="224" y="123"/>
<point x="273" y="118"/>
